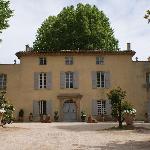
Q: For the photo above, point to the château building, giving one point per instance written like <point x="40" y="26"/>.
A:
<point x="73" y="81"/>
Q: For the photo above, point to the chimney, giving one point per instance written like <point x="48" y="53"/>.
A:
<point x="27" y="48"/>
<point x="128" y="46"/>
<point x="148" y="58"/>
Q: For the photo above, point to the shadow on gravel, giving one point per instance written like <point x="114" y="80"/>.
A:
<point x="130" y="145"/>
<point x="85" y="127"/>
<point x="12" y="129"/>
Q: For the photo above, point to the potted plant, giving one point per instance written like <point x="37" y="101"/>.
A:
<point x="21" y="115"/>
<point x="83" y="116"/>
<point x="2" y="111"/>
<point x="56" y="116"/>
<point x="129" y="116"/>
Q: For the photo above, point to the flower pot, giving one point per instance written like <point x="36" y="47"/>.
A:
<point x="129" y="118"/>
<point x="83" y="118"/>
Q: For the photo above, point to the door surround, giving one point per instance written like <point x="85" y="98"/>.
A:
<point x="75" y="97"/>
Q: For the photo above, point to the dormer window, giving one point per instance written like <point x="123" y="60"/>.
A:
<point x="99" y="60"/>
<point x="42" y="61"/>
<point x="68" y="60"/>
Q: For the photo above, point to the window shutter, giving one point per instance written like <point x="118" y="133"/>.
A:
<point x="49" y="107"/>
<point x="62" y="80"/>
<point x="36" y="80"/>
<point x="49" y="80"/>
<point x="75" y="80"/>
<point x="108" y="107"/>
<point x="107" y="79"/>
<point x="94" y="80"/>
<point x="94" y="108"/>
<point x="35" y="108"/>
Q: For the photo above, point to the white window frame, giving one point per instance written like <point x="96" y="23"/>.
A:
<point x="3" y="81"/>
<point x="101" y="107"/>
<point x="42" y="80"/>
<point x="69" y="60"/>
<point x="42" y="61"/>
<point x="41" y="107"/>
<point x="99" y="60"/>
<point x="99" y="82"/>
<point x="69" y="79"/>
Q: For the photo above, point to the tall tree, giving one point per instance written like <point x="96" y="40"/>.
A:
<point x="5" y="14"/>
<point x="147" y="15"/>
<point x="84" y="27"/>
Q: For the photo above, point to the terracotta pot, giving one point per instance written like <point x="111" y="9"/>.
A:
<point x="129" y="118"/>
<point x="1" y="117"/>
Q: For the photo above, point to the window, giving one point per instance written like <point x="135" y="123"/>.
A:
<point x="42" y="80"/>
<point x="148" y="78"/>
<point x="42" y="107"/>
<point x="99" y="60"/>
<point x="100" y="79"/>
<point x="69" y="79"/>
<point x="101" y="107"/>
<point x="69" y="60"/>
<point x="42" y="61"/>
<point x="3" y="80"/>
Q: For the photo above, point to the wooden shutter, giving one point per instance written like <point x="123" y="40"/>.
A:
<point x="107" y="79"/>
<point x="108" y="107"/>
<point x="62" y="80"/>
<point x="94" y="80"/>
<point x="35" y="108"/>
<point x="94" y="108"/>
<point x="36" y="80"/>
<point x="49" y="80"/>
<point x="49" y="107"/>
<point x="75" y="80"/>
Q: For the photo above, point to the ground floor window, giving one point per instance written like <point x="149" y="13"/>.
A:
<point x="42" y="107"/>
<point x="101" y="107"/>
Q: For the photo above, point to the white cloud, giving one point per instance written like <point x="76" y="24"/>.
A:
<point x="126" y="18"/>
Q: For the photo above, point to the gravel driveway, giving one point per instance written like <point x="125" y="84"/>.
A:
<point x="73" y="136"/>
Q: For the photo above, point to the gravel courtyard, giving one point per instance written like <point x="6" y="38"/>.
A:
<point x="73" y="136"/>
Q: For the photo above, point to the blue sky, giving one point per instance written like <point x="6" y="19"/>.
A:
<point x="126" y="18"/>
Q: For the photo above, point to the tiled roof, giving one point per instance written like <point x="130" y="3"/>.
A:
<point x="73" y="52"/>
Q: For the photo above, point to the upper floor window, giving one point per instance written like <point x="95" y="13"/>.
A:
<point x="69" y="79"/>
<point x="99" y="60"/>
<point x="42" y="61"/>
<point x="69" y="60"/>
<point x="101" y="107"/>
<point x="42" y="80"/>
<point x="148" y="77"/>
<point x="3" y="80"/>
<point x="100" y="79"/>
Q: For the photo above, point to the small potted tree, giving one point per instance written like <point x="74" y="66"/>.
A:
<point x="56" y="116"/>
<point x="83" y="116"/>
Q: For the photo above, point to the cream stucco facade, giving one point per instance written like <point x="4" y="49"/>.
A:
<point x="124" y="72"/>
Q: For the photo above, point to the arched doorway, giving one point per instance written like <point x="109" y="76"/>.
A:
<point x="69" y="110"/>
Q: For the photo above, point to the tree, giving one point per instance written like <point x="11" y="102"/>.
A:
<point x="84" y="27"/>
<point x="5" y="14"/>
<point x="4" y="104"/>
<point x="118" y="105"/>
<point x="147" y="15"/>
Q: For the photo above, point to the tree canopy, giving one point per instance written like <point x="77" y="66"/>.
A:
<point x="83" y="27"/>
<point x="5" y="14"/>
<point x="147" y="15"/>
